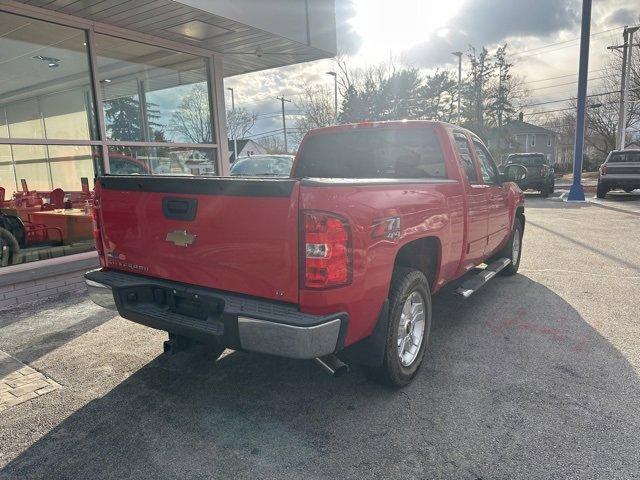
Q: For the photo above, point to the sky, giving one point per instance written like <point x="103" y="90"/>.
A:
<point x="543" y="38"/>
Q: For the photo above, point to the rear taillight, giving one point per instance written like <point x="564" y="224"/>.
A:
<point x="543" y="170"/>
<point x="327" y="250"/>
<point x="97" y="232"/>
<point x="603" y="170"/>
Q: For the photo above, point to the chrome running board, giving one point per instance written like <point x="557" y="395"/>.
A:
<point x="473" y="284"/>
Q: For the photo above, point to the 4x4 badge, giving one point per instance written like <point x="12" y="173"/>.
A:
<point x="180" y="238"/>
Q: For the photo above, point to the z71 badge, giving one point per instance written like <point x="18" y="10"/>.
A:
<point x="388" y="228"/>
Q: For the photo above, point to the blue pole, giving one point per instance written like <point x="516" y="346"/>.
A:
<point x="576" y="194"/>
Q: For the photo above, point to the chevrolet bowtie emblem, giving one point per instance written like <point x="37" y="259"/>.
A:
<point x="180" y="238"/>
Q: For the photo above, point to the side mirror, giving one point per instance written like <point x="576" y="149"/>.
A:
<point x="514" y="173"/>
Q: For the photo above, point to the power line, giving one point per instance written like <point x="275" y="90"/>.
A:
<point x="517" y="54"/>
<point x="567" y="99"/>
<point x="564" y="84"/>
<point x="561" y="76"/>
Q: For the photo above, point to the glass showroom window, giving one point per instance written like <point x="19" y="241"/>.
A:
<point x="157" y="109"/>
<point x="49" y="142"/>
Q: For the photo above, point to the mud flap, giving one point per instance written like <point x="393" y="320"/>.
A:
<point x="370" y="351"/>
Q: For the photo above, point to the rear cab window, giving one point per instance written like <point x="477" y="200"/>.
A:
<point x="624" y="157"/>
<point x="372" y="153"/>
<point x="526" y="160"/>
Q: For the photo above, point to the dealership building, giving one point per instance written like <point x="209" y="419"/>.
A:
<point x="91" y="87"/>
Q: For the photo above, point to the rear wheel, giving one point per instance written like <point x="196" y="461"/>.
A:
<point x="544" y="193"/>
<point x="408" y="330"/>
<point x="602" y="190"/>
<point x="552" y="187"/>
<point x="513" y="249"/>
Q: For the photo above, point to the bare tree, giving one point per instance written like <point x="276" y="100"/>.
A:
<point x="240" y="122"/>
<point x="316" y="107"/>
<point x="273" y="144"/>
<point x="192" y="119"/>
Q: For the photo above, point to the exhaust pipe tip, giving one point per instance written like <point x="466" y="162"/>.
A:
<point x="332" y="365"/>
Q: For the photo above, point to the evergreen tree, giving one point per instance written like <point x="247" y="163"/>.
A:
<point x="123" y="119"/>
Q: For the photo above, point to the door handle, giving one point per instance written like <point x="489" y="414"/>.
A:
<point x="179" y="208"/>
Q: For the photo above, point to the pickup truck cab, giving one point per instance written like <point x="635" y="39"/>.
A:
<point x="342" y="257"/>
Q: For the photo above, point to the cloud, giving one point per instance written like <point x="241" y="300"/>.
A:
<point x="486" y="22"/>
<point x="622" y="16"/>
<point x="349" y="41"/>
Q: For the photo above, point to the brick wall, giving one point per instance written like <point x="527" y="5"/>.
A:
<point x="43" y="279"/>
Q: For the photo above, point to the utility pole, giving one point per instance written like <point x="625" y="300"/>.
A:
<point x="459" y="55"/>
<point x="576" y="193"/>
<point x="335" y="96"/>
<point x="235" y="140"/>
<point x="625" y="89"/>
<point x="627" y="55"/>
<point x="284" y="123"/>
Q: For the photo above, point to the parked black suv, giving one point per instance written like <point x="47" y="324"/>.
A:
<point x="540" y="175"/>
<point x="621" y="169"/>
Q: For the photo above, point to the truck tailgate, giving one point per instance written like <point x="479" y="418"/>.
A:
<point x="238" y="235"/>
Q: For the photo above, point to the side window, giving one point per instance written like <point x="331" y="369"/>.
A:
<point x="462" y="145"/>
<point x="487" y="165"/>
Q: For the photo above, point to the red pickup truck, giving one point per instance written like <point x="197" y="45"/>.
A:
<point x="343" y="256"/>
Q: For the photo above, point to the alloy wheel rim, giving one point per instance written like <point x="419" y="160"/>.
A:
<point x="411" y="328"/>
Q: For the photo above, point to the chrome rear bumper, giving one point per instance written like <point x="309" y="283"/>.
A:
<point x="288" y="340"/>
<point x="249" y="324"/>
<point x="101" y="294"/>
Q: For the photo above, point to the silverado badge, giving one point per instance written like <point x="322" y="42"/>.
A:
<point x="180" y="238"/>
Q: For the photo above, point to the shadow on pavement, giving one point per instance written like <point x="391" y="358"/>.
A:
<point x="32" y="332"/>
<point x="628" y="264"/>
<point x="618" y="198"/>
<point x="516" y="384"/>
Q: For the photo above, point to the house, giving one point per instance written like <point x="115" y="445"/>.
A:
<point x="246" y="148"/>
<point x="518" y="136"/>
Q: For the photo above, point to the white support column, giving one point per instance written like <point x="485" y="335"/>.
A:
<point x="219" y="115"/>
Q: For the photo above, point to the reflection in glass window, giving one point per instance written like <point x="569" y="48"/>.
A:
<point x="45" y="87"/>
<point x="69" y="164"/>
<point x="487" y="166"/>
<point x="153" y="94"/>
<point x="161" y="161"/>
<point x="31" y="164"/>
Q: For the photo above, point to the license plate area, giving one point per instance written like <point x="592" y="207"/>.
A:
<point x="185" y="303"/>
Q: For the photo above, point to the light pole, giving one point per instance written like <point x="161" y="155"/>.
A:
<point x="576" y="193"/>
<point x="459" y="55"/>
<point x="235" y="140"/>
<point x="335" y="96"/>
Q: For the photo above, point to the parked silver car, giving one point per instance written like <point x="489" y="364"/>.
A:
<point x="262" y="166"/>
<point x="621" y="170"/>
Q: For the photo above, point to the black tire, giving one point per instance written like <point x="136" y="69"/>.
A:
<point x="601" y="191"/>
<point x="404" y="282"/>
<point x="507" y="251"/>
<point x="552" y="188"/>
<point x="544" y="193"/>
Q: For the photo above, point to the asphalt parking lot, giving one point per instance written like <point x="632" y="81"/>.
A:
<point x="536" y="376"/>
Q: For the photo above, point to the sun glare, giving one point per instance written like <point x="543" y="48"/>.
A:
<point x="391" y="26"/>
